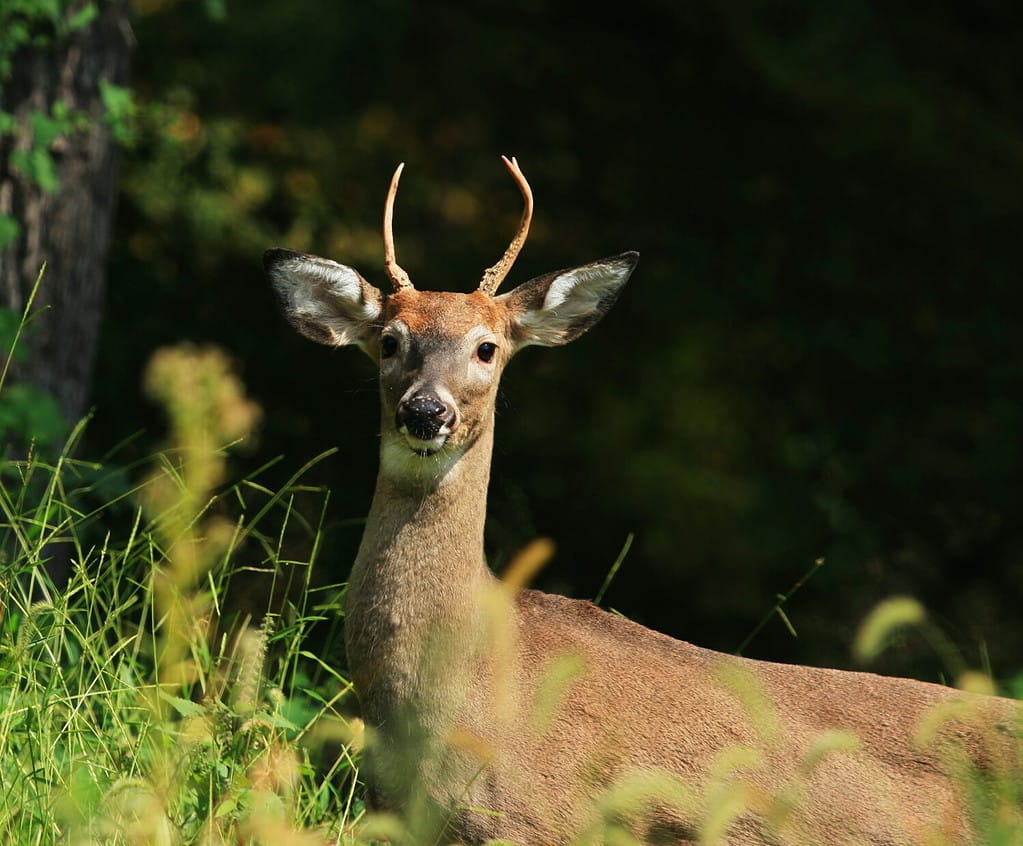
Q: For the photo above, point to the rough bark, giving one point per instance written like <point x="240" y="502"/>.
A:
<point x="68" y="229"/>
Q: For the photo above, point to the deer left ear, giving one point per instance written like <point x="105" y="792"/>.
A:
<point x="557" y="308"/>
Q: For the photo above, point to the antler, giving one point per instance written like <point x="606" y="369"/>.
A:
<point x="494" y="276"/>
<point x="399" y="278"/>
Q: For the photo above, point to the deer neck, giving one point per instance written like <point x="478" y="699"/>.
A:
<point x="415" y="594"/>
<point x="428" y="530"/>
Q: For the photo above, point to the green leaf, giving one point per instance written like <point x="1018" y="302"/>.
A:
<point x="10" y="229"/>
<point x="280" y="721"/>
<point x="49" y="9"/>
<point x="37" y="165"/>
<point x="185" y="707"/>
<point x="17" y="32"/>
<point x="83" y="17"/>
<point x="10" y="320"/>
<point x="228" y="806"/>
<point x="46" y="129"/>
<point x="119" y="103"/>
<point x="27" y="414"/>
<point x="117" y="99"/>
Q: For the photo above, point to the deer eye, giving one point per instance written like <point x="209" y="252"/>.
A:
<point x="485" y="351"/>
<point x="388" y="346"/>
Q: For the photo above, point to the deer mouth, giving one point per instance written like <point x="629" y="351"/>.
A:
<point x="425" y="447"/>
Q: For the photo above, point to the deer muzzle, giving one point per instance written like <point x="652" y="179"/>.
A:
<point x="426" y="421"/>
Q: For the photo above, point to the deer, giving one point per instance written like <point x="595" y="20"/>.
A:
<point x="515" y="715"/>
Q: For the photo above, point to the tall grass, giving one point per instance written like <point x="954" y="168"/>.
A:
<point x="133" y="708"/>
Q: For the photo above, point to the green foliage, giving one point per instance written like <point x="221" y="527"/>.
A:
<point x="36" y="162"/>
<point x="10" y="329"/>
<point x="82" y="17"/>
<point x="109" y="730"/>
<point x="121" y="112"/>
<point x="10" y="229"/>
<point x="36" y="25"/>
<point x="29" y="417"/>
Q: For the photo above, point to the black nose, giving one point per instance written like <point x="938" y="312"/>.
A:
<point x="423" y="416"/>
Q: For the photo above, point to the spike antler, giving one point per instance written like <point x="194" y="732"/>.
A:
<point x="494" y="276"/>
<point x="399" y="278"/>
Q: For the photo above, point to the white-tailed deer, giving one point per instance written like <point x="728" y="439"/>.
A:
<point x="544" y="720"/>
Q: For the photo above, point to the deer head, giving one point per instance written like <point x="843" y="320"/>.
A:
<point x="441" y="354"/>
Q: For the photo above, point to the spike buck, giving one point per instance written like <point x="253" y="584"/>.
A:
<point x="538" y="719"/>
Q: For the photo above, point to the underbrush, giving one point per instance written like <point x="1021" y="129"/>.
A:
<point x="145" y="697"/>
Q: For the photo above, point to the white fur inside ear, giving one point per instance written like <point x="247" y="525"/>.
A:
<point x="327" y="302"/>
<point x="582" y="288"/>
<point x="304" y="282"/>
<point x="579" y="295"/>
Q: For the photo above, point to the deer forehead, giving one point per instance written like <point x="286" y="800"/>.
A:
<point x="442" y="313"/>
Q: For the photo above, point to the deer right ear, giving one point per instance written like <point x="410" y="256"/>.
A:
<point x="557" y="308"/>
<point x="327" y="302"/>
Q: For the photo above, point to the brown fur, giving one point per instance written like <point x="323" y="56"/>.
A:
<point x="441" y="312"/>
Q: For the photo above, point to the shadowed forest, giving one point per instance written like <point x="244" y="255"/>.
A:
<point x="818" y="358"/>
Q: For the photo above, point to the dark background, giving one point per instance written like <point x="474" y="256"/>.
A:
<point x="818" y="357"/>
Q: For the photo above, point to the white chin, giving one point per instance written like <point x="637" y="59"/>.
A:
<point x="414" y="460"/>
<point x="425" y="448"/>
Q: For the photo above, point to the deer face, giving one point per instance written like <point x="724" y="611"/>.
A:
<point x="441" y="354"/>
<point x="441" y="357"/>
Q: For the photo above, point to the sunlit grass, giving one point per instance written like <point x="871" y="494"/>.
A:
<point x="133" y="708"/>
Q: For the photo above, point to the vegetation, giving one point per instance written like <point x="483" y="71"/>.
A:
<point x="137" y="704"/>
<point x="816" y="362"/>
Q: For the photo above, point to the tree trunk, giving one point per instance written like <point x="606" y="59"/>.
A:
<point x="69" y="228"/>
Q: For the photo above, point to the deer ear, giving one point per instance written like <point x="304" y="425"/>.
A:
<point x="327" y="302"/>
<point x="557" y="308"/>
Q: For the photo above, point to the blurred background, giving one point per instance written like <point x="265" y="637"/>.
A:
<point x="820" y="356"/>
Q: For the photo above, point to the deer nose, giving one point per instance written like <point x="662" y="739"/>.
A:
<point x="423" y="416"/>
